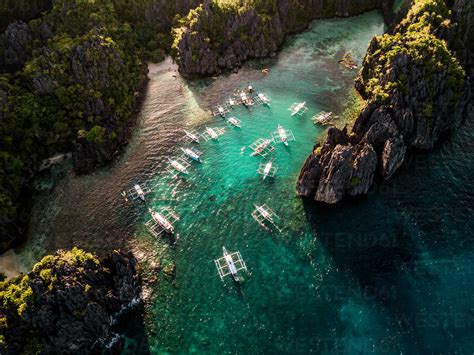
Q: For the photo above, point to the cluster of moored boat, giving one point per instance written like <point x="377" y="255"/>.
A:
<point x="162" y="221"/>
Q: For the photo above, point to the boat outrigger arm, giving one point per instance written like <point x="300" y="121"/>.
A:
<point x="265" y="216"/>
<point x="323" y="118"/>
<point x="177" y="166"/>
<point x="298" y="108"/>
<point x="220" y="110"/>
<point x="262" y="98"/>
<point x="245" y="99"/>
<point x="139" y="191"/>
<point x="211" y="133"/>
<point x="191" y="154"/>
<point x="161" y="222"/>
<point x="282" y="135"/>
<point x="231" y="102"/>
<point x="230" y="264"/>
<point x="262" y="147"/>
<point x="234" y="122"/>
<point x="191" y="136"/>
<point x="267" y="169"/>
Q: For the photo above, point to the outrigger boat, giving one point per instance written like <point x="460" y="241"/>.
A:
<point x="323" y="118"/>
<point x="267" y="169"/>
<point x="230" y="264"/>
<point x="246" y="101"/>
<point x="298" y="108"/>
<point x="177" y="166"/>
<point x="250" y="88"/>
<point x="231" y="102"/>
<point x="263" y="214"/>
<point x="161" y="222"/>
<point x="210" y="133"/>
<point x="220" y="111"/>
<point x="282" y="135"/>
<point x="192" y="153"/>
<point x="262" y="147"/>
<point x="263" y="99"/>
<point x="234" y="122"/>
<point x="347" y="61"/>
<point x="138" y="192"/>
<point x="191" y="136"/>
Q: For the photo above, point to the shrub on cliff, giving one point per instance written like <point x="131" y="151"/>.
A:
<point x="66" y="304"/>
<point x="415" y="44"/>
<point x="415" y="88"/>
<point x="81" y="66"/>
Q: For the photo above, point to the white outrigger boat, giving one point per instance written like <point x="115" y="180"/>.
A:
<point x="220" y="111"/>
<point x="262" y="147"/>
<point x="177" y="166"/>
<point x="262" y="98"/>
<point x="191" y="136"/>
<point x="282" y="135"/>
<point x="267" y="169"/>
<point x="323" y="118"/>
<point x="298" y="108"/>
<point x="230" y="264"/>
<point x="210" y="133"/>
<point x="263" y="214"/>
<point x="161" y="222"/>
<point x="192" y="153"/>
<point x="231" y="102"/>
<point x="246" y="101"/>
<point x="138" y="192"/>
<point x="234" y="122"/>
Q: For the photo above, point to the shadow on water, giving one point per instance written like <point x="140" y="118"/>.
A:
<point x="409" y="243"/>
<point x="370" y="249"/>
<point x="132" y="328"/>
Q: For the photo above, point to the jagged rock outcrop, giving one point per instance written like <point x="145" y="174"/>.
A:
<point x="393" y="156"/>
<point x="12" y="11"/>
<point x="214" y="38"/>
<point x="416" y="88"/>
<point x="92" y="69"/>
<point x="68" y="304"/>
<point x="13" y="43"/>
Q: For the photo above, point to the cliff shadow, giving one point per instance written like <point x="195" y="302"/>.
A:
<point x="134" y="334"/>
<point x="368" y="241"/>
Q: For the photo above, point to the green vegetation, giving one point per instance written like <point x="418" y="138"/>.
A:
<point x="415" y="39"/>
<point x="58" y="285"/>
<point x="212" y="27"/>
<point x="16" y="294"/>
<point x="355" y="182"/>
<point x="78" y="84"/>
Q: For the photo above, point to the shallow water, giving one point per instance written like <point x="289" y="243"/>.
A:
<point x="391" y="272"/>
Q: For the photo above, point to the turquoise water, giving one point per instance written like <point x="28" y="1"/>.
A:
<point x="388" y="273"/>
<point x="282" y="304"/>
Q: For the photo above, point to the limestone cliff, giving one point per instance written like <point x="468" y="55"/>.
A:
<point x="68" y="304"/>
<point x="214" y="37"/>
<point x="415" y="86"/>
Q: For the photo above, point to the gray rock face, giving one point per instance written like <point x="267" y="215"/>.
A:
<point x="414" y="115"/>
<point x="363" y="170"/>
<point x="393" y="156"/>
<point x="14" y="42"/>
<point x="245" y="35"/>
<point x="336" y="176"/>
<point x="71" y="318"/>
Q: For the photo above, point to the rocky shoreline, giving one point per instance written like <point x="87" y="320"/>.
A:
<point x="417" y="84"/>
<point x="70" y="303"/>
<point x="213" y="38"/>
